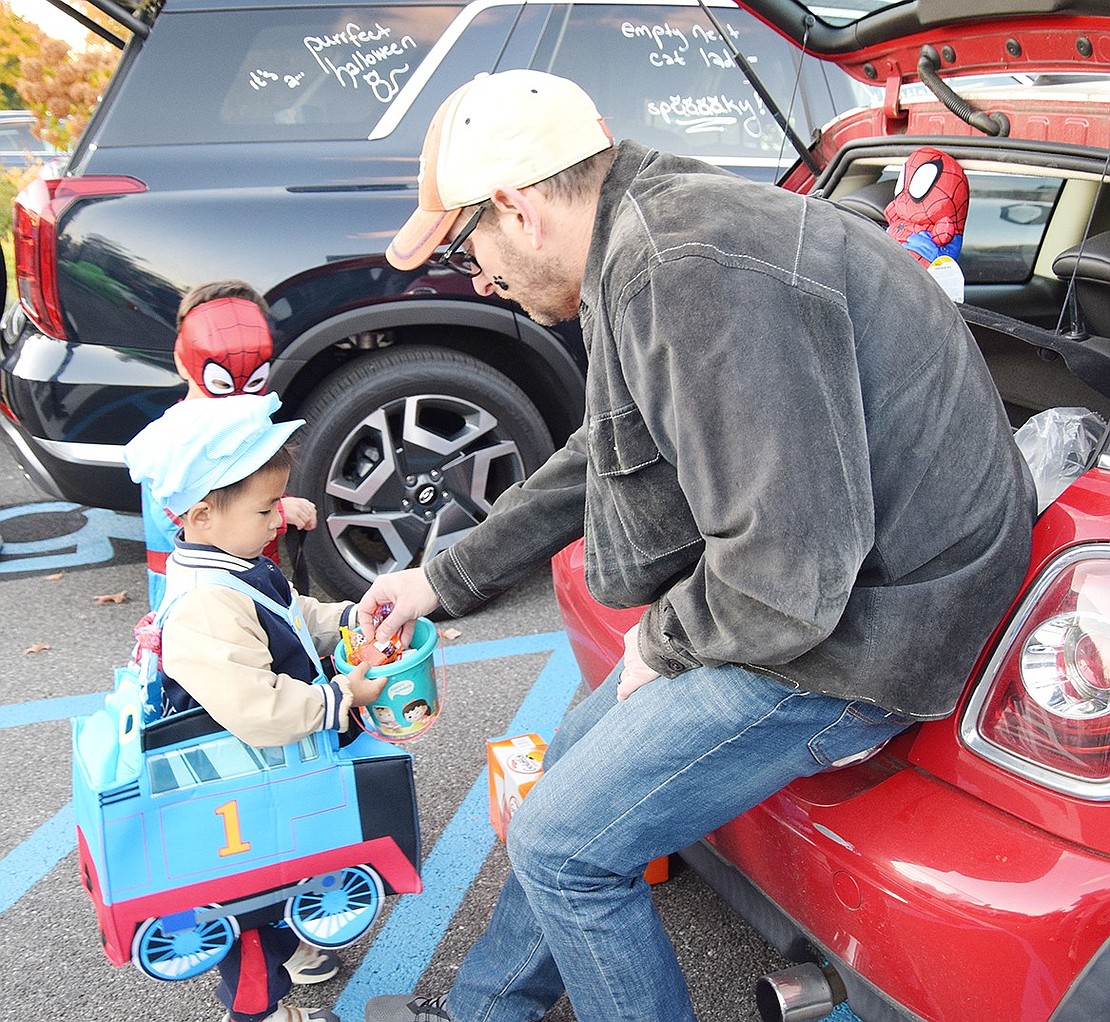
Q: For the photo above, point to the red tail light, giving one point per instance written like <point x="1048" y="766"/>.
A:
<point x="37" y="210"/>
<point x="1043" y="706"/>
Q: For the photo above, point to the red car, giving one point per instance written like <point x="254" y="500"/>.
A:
<point x="962" y="873"/>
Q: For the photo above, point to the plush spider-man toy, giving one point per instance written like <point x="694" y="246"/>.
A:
<point x="225" y="347"/>
<point x="929" y="208"/>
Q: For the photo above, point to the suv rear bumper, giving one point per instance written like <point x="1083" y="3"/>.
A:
<point x="92" y="474"/>
<point x="67" y="410"/>
<point x="27" y="457"/>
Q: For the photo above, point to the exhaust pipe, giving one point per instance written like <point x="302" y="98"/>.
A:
<point x="799" y="994"/>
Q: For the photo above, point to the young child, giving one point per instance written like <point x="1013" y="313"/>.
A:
<point x="238" y="640"/>
<point x="223" y="348"/>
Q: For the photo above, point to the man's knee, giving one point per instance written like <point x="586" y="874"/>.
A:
<point x="527" y="848"/>
<point x="579" y="721"/>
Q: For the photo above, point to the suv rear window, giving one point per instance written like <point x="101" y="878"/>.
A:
<point x="659" y="73"/>
<point x="662" y="75"/>
<point x="302" y="74"/>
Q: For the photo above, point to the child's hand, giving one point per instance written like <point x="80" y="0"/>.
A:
<point x="364" y="690"/>
<point x="299" y="513"/>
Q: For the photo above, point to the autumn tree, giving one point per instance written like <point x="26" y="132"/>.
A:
<point x="19" y="40"/>
<point x="63" y="87"/>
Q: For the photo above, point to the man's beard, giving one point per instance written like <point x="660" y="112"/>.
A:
<point x="542" y="287"/>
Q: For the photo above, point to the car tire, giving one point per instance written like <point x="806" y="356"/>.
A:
<point x="404" y="452"/>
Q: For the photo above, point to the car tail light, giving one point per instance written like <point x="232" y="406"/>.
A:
<point x="1042" y="708"/>
<point x="36" y="212"/>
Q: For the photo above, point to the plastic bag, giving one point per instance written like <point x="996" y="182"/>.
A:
<point x="1057" y="444"/>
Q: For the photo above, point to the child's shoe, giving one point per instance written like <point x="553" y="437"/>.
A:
<point x="310" y="964"/>
<point x="287" y="1013"/>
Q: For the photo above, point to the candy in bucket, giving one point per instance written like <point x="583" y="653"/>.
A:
<point x="410" y="700"/>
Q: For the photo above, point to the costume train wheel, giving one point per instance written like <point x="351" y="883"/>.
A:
<point x="185" y="953"/>
<point x="341" y="911"/>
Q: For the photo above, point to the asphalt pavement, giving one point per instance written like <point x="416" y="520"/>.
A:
<point x="508" y="671"/>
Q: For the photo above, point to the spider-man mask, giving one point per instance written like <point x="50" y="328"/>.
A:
<point x="225" y="347"/>
<point x="929" y="208"/>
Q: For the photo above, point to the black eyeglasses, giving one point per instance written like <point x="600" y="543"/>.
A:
<point x="455" y="257"/>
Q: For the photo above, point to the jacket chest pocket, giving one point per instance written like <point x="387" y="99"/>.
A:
<point x="634" y="506"/>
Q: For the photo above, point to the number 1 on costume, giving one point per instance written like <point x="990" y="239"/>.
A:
<point x="233" y="838"/>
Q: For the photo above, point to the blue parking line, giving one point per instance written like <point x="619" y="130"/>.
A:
<point x="403" y="948"/>
<point x="41" y="710"/>
<point x="518" y="645"/>
<point x="32" y="859"/>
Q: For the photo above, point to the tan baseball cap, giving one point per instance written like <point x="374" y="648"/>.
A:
<point x="504" y="130"/>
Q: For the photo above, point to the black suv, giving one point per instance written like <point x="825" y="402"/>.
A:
<point x="277" y="141"/>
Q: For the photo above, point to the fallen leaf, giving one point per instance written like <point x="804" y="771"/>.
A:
<point x="55" y="576"/>
<point x="450" y="633"/>
<point x="111" y="597"/>
<point x="38" y="647"/>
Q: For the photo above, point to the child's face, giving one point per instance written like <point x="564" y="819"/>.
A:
<point x="251" y="519"/>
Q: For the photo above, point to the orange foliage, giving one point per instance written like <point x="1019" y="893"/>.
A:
<point x="63" y="87"/>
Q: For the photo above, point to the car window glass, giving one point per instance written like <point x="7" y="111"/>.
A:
<point x="17" y="138"/>
<point x="1006" y="219"/>
<point x="298" y="74"/>
<point x="477" y="42"/>
<point x="1007" y="216"/>
<point x="663" y="76"/>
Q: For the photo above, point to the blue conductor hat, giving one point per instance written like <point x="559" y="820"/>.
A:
<point x="204" y="444"/>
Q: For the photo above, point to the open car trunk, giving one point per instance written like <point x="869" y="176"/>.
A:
<point x="1035" y="258"/>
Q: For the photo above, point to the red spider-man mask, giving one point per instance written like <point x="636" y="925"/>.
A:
<point x="930" y="202"/>
<point x="225" y="347"/>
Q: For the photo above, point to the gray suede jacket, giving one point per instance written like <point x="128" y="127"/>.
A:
<point x="792" y="449"/>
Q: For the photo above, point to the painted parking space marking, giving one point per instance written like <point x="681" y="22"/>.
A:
<point x="42" y="710"/>
<point x="90" y="544"/>
<point x="403" y="948"/>
<point x="32" y="859"/>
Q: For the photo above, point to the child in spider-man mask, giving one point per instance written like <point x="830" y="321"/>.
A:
<point x="223" y="347"/>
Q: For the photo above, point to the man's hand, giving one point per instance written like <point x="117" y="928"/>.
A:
<point x="299" y="513"/>
<point x="635" y="672"/>
<point x="411" y="595"/>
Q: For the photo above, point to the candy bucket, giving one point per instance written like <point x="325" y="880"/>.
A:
<point x="410" y="700"/>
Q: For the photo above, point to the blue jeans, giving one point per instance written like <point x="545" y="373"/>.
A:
<point x="624" y="783"/>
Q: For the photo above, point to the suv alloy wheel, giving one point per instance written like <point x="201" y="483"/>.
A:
<point x="409" y="448"/>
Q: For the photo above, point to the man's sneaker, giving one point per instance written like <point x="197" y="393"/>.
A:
<point x="407" y="1008"/>
<point x="287" y="1013"/>
<point x="310" y="964"/>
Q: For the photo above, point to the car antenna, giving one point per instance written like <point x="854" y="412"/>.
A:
<point x="744" y="64"/>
